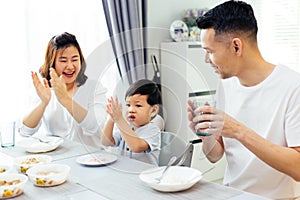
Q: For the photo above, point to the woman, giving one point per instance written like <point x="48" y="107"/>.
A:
<point x="69" y="105"/>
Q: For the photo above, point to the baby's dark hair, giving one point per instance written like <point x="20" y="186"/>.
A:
<point x="145" y="87"/>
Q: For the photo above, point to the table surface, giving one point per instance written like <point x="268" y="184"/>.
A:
<point x="119" y="180"/>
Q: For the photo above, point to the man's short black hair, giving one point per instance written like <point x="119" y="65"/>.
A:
<point x="232" y="17"/>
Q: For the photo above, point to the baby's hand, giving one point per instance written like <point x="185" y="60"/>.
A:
<point x="114" y="109"/>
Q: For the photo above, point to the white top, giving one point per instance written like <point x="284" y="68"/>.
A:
<point x="151" y="134"/>
<point x="58" y="121"/>
<point x="271" y="109"/>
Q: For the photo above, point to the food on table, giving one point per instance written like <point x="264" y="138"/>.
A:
<point x="28" y="161"/>
<point x="174" y="180"/>
<point x="2" y="170"/>
<point x="42" y="182"/>
<point x="25" y="162"/>
<point x="10" y="187"/>
<point x="48" y="175"/>
<point x="11" y="193"/>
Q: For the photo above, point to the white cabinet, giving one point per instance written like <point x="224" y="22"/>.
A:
<point x="183" y="70"/>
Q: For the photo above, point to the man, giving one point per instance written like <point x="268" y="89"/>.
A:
<point x="259" y="130"/>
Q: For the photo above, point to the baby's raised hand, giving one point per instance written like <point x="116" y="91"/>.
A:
<point x="114" y="109"/>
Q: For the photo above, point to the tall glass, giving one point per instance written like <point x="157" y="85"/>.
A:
<point x="7" y="134"/>
<point x="201" y="99"/>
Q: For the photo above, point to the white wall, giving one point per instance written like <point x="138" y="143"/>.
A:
<point x="161" y="14"/>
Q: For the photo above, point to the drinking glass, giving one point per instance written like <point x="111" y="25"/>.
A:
<point x="7" y="134"/>
<point x="201" y="99"/>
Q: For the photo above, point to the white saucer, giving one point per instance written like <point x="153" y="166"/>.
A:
<point x="34" y="145"/>
<point x="96" y="159"/>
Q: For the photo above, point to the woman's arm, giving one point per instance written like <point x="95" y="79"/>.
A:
<point x="65" y="98"/>
<point x="44" y="93"/>
<point x="87" y="107"/>
<point x="33" y="118"/>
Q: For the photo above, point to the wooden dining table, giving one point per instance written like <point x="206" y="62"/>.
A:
<point x="116" y="181"/>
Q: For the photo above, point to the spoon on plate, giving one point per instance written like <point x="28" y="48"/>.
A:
<point x="171" y="161"/>
<point x="206" y="171"/>
<point x="41" y="140"/>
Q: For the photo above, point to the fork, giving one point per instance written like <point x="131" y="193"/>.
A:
<point x="171" y="161"/>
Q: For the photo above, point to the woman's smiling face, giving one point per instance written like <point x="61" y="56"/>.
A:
<point x="67" y="64"/>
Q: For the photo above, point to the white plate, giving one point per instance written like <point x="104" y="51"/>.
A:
<point x="177" y="178"/>
<point x="97" y="159"/>
<point x="33" y="145"/>
<point x="179" y="31"/>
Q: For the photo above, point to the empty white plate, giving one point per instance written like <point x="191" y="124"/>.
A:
<point x="96" y="159"/>
<point x="34" y="145"/>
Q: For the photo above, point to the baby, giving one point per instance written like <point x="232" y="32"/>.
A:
<point x="139" y="138"/>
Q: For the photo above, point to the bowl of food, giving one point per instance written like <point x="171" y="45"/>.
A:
<point x="5" y="169"/>
<point x="12" y="184"/>
<point x="176" y="178"/>
<point x="23" y="163"/>
<point x="48" y="174"/>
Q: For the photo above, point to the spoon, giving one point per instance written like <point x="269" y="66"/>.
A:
<point x="202" y="174"/>
<point x="171" y="161"/>
<point x="184" y="155"/>
<point x="41" y="140"/>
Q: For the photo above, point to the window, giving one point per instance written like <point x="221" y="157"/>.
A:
<point x="279" y="31"/>
<point x="27" y="26"/>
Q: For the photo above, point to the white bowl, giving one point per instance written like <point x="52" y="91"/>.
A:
<point x="12" y="184"/>
<point x="48" y="174"/>
<point x="23" y="163"/>
<point x="177" y="178"/>
<point x="5" y="169"/>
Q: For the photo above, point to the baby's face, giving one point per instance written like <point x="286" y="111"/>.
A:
<point x="138" y="111"/>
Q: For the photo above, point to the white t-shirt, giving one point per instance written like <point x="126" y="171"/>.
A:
<point x="151" y="134"/>
<point x="57" y="121"/>
<point x="271" y="109"/>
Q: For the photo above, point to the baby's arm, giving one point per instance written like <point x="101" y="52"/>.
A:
<point x="135" y="143"/>
<point x="107" y="135"/>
